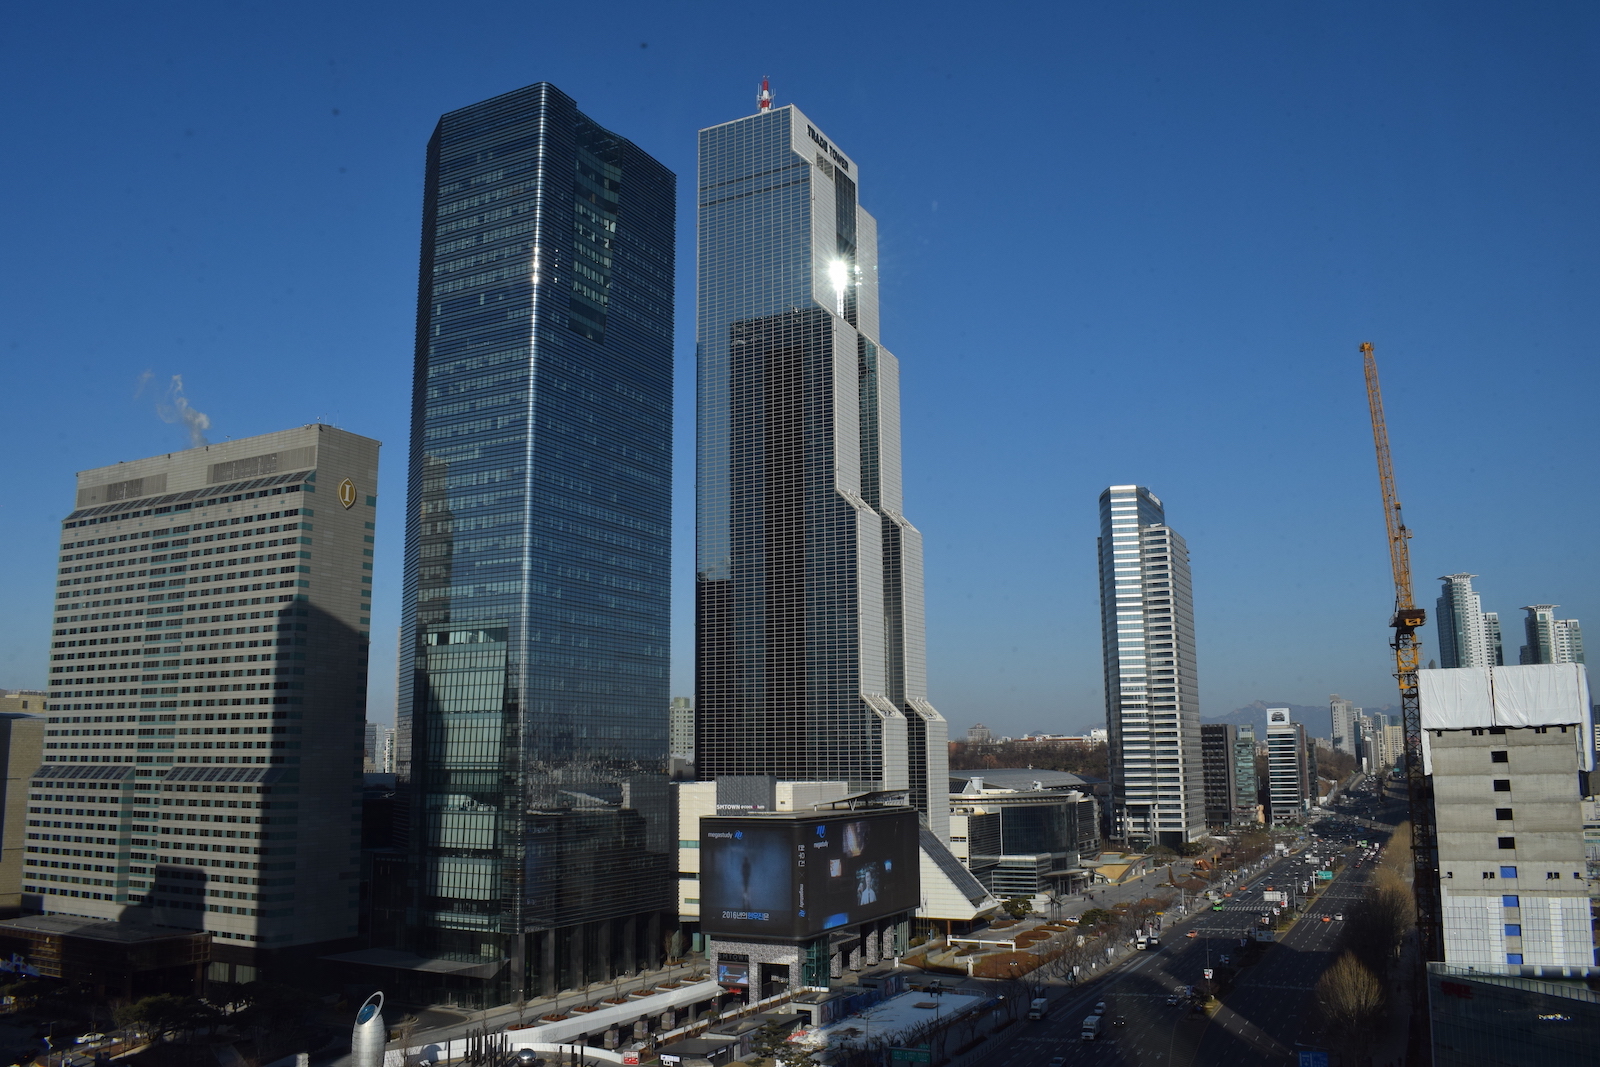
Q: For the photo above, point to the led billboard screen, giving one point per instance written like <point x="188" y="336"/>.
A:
<point x="794" y="878"/>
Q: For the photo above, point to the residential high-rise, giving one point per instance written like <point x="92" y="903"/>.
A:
<point x="680" y="729"/>
<point x="1506" y="748"/>
<point x="1343" y="713"/>
<point x="1246" y="803"/>
<point x="810" y="661"/>
<point x="1287" y="766"/>
<point x="1550" y="640"/>
<point x="1467" y="636"/>
<point x="1491" y="633"/>
<point x="534" y="635"/>
<point x="377" y="755"/>
<point x="1152" y="686"/>
<point x="1217" y="758"/>
<point x="208" y="686"/>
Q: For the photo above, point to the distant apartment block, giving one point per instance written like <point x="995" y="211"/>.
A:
<point x="1343" y="713"/>
<point x="1468" y="636"/>
<point x="202" y="755"/>
<point x="377" y="754"/>
<point x="680" y="729"/>
<point x="1549" y="639"/>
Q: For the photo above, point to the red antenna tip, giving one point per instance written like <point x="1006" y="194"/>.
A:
<point x="764" y="97"/>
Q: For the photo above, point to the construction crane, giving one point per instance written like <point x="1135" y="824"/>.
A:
<point x="1405" y="622"/>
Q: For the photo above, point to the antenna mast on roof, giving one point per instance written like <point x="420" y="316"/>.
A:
<point x="764" y="97"/>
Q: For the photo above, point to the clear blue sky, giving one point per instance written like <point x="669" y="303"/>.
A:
<point x="1120" y="243"/>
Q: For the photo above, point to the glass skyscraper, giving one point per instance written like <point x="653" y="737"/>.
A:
<point x="1468" y="636"/>
<point x="1152" y="686"/>
<point x="534" y="642"/>
<point x="810" y="660"/>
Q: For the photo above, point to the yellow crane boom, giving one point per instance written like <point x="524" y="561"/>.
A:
<point x="1405" y="621"/>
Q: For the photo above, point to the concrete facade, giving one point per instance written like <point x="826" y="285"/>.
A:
<point x="195" y="667"/>
<point x="1511" y="846"/>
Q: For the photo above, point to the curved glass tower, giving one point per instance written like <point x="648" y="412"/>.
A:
<point x="810" y="662"/>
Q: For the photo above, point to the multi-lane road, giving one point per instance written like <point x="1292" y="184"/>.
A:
<point x="1266" y="1015"/>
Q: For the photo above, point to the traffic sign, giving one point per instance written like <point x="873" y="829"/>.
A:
<point x="922" y="1055"/>
<point x="1208" y="973"/>
<point x="1316" y="1058"/>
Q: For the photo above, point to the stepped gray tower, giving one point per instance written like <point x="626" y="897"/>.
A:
<point x="810" y="662"/>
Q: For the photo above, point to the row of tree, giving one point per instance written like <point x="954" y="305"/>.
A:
<point x="1353" y="994"/>
<point x="1075" y="757"/>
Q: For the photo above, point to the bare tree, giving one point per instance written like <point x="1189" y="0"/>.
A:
<point x="1350" y="998"/>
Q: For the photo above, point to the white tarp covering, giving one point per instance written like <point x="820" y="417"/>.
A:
<point x="1456" y="698"/>
<point x="1548" y="694"/>
<point x="1542" y="694"/>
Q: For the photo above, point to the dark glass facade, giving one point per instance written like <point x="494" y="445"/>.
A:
<point x="535" y="637"/>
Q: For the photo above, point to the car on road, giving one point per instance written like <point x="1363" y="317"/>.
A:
<point x="1339" y="917"/>
<point x="1327" y="919"/>
<point x="1173" y="998"/>
<point x="1100" y="1007"/>
<point x="1058" y="1061"/>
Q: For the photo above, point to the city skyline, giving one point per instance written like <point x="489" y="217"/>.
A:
<point x="1013" y="632"/>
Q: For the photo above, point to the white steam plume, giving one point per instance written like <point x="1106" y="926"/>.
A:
<point x="177" y="410"/>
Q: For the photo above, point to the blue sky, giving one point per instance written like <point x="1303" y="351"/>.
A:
<point x="1120" y="243"/>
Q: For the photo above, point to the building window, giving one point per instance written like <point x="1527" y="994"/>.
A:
<point x="1488" y="874"/>
<point x="1508" y="872"/>
<point x="1510" y="900"/>
<point x="1513" y="929"/>
<point x="1502" y="785"/>
<point x="1551" y="874"/>
<point x="1499" y="755"/>
<point x="1502" y="814"/>
<point x="1513" y="957"/>
<point x="1508" y="842"/>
